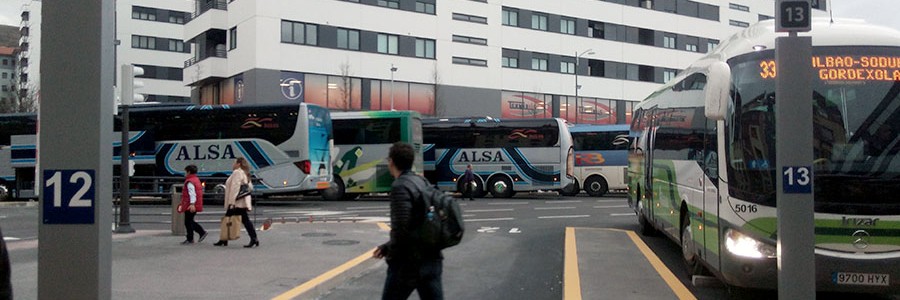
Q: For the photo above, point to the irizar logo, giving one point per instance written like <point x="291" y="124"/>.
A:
<point x="196" y="152"/>
<point x="483" y="156"/>
<point x="845" y="221"/>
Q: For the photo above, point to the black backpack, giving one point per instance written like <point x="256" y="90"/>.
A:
<point x="443" y="223"/>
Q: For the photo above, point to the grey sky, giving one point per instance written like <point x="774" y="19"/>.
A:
<point x="883" y="12"/>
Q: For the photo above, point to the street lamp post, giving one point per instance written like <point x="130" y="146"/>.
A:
<point x="393" y="69"/>
<point x="577" y="87"/>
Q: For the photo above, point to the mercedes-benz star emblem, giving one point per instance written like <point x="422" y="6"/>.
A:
<point x="861" y="239"/>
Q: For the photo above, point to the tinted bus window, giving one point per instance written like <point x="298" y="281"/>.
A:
<point x="366" y="131"/>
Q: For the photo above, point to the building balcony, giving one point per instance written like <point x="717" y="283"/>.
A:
<point x="208" y="15"/>
<point x="210" y="68"/>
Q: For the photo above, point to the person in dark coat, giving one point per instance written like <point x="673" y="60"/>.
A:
<point x="410" y="265"/>
<point x="469" y="181"/>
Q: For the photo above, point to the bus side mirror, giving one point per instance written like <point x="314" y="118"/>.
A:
<point x="718" y="86"/>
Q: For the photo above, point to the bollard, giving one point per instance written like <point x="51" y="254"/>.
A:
<point x="177" y="218"/>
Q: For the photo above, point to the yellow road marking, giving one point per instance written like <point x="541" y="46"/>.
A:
<point x="571" y="277"/>
<point x="680" y="290"/>
<point x="384" y="226"/>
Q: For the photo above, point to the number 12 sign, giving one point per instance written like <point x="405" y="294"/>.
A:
<point x="69" y="196"/>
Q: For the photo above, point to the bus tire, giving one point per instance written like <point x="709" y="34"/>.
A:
<point x="572" y="192"/>
<point x="500" y="187"/>
<point x="335" y="192"/>
<point x="596" y="186"/>
<point x="644" y="226"/>
<point x="688" y="249"/>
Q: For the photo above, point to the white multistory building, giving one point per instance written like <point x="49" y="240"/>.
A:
<point x="148" y="35"/>
<point x="503" y="58"/>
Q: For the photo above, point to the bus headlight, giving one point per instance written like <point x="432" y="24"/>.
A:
<point x="742" y="245"/>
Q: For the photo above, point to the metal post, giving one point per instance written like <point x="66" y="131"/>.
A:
<point x="577" y="87"/>
<point x="124" y="170"/>
<point x="393" y="69"/>
<point x="793" y="155"/>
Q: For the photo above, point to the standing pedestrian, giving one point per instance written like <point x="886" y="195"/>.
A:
<point x="411" y="265"/>
<point x="469" y="181"/>
<point x="191" y="204"/>
<point x="240" y="174"/>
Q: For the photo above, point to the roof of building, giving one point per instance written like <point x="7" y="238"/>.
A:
<point x="7" y="51"/>
<point x="9" y="36"/>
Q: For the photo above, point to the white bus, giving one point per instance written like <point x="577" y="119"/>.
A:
<point x="706" y="178"/>
<point x="362" y="141"/>
<point x="601" y="155"/>
<point x="288" y="146"/>
<point x="507" y="156"/>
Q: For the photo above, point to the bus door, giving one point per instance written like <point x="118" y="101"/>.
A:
<point x="649" y="196"/>
<point x="709" y="238"/>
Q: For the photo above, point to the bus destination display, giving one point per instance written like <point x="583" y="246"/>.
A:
<point x="845" y="68"/>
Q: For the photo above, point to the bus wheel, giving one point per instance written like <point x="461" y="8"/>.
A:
<point x="573" y="191"/>
<point x="644" y="225"/>
<point x="336" y="191"/>
<point x="688" y="250"/>
<point x="595" y="186"/>
<point x="500" y="187"/>
<point x="4" y="192"/>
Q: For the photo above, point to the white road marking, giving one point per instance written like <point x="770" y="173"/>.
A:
<point x="611" y="206"/>
<point x="509" y="203"/>
<point x="562" y="201"/>
<point x="610" y="200"/>
<point x="564" y="217"/>
<point x="365" y="207"/>
<point x="622" y="215"/>
<point x="9" y="238"/>
<point x="490" y="219"/>
<point x="549" y="208"/>
<point x="488" y="229"/>
<point x="368" y="210"/>
<point x="515" y="230"/>
<point x="489" y="210"/>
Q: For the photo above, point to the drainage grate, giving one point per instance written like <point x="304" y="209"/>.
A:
<point x="340" y="242"/>
<point x="317" y="234"/>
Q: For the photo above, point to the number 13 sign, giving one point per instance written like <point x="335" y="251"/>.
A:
<point x="68" y="196"/>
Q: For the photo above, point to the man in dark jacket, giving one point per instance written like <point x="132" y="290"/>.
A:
<point x="469" y="181"/>
<point x="410" y="266"/>
<point x="6" y="291"/>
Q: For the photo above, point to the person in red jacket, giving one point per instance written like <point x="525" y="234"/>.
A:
<point x="191" y="204"/>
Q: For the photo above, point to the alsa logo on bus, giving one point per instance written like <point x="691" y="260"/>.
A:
<point x="197" y="152"/>
<point x="480" y="156"/>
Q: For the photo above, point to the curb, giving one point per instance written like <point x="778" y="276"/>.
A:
<point x="18" y="204"/>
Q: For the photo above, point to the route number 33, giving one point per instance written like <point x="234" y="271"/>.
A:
<point x="68" y="196"/>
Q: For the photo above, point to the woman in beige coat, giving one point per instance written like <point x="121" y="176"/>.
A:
<point x="240" y="175"/>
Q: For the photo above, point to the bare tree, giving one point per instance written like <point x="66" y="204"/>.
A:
<point x="23" y="97"/>
<point x="435" y="93"/>
<point x="346" y="87"/>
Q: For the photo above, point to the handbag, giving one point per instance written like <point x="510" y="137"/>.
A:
<point x="229" y="229"/>
<point x="244" y="192"/>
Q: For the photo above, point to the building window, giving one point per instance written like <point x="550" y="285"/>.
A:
<point x="177" y="19"/>
<point x="510" y="17"/>
<point x="668" y="75"/>
<point x="469" y="40"/>
<point x="690" y="47"/>
<point x="143" y="42"/>
<point x="389" y="3"/>
<point x="567" y="26"/>
<point x="232" y="38"/>
<point x="176" y="46"/>
<point x="510" y="62"/>
<point x="423" y="7"/>
<point x="669" y="42"/>
<point x="387" y="43"/>
<point x="739" y="7"/>
<point x="5" y="89"/>
<point x="143" y="13"/>
<point x="539" y="22"/>
<point x="738" y="23"/>
<point x="348" y="39"/>
<point x="711" y="45"/>
<point x="299" y="33"/>
<point x="469" y="61"/>
<point x="539" y="64"/>
<point x="596" y="29"/>
<point x="567" y="67"/>
<point x="425" y="48"/>
<point x="4" y="75"/>
<point x="469" y="18"/>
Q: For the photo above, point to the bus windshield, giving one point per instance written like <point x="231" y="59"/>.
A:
<point x="856" y="120"/>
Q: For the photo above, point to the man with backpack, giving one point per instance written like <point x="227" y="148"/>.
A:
<point x="412" y="263"/>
